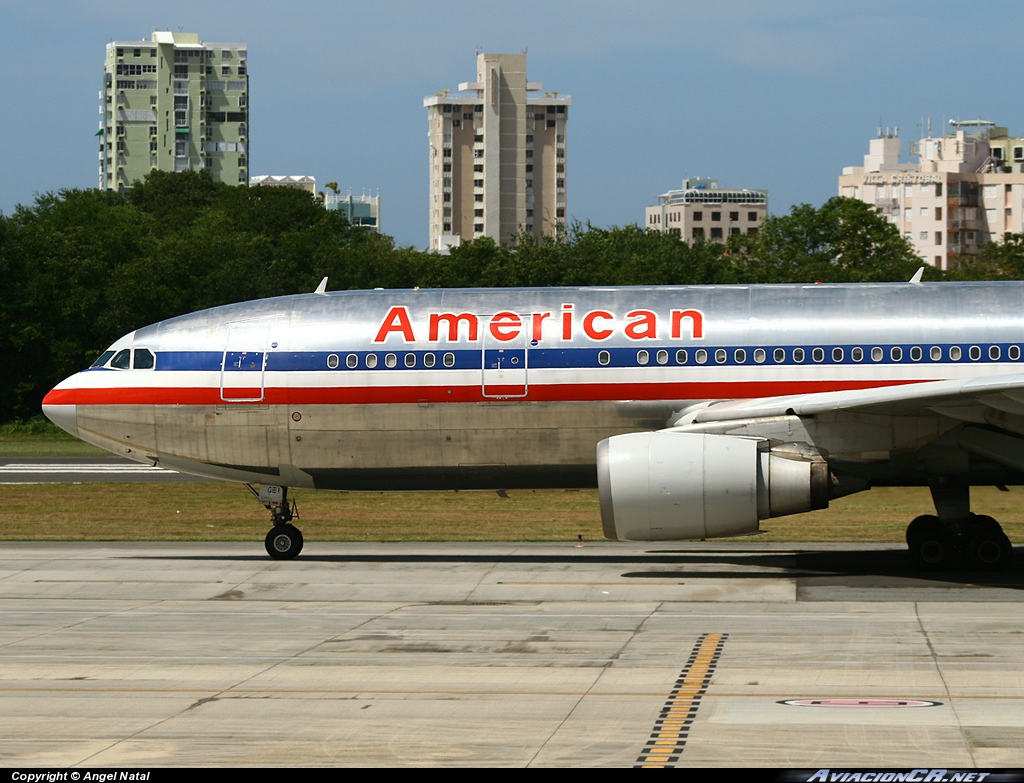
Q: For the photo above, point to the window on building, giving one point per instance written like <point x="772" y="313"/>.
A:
<point x="478" y="167"/>
<point x="478" y="183"/>
<point x="697" y="216"/>
<point x="529" y="183"/>
<point x="751" y="230"/>
<point x="529" y="153"/>
<point x="479" y="197"/>
<point x="447" y="167"/>
<point x="716" y="233"/>
<point x="529" y="168"/>
<point x="551" y="123"/>
<point x="734" y="216"/>
<point x="478" y="138"/>
<point x="476" y="153"/>
<point x="467" y="115"/>
<point x="560" y="212"/>
<point x="698" y="232"/>
<point x="733" y="230"/>
<point x="924" y="235"/>
<point x="478" y="213"/>
<point x="938" y="237"/>
<point x="478" y="227"/>
<point x="529" y="138"/>
<point x="908" y="214"/>
<point x="716" y="216"/>
<point x="924" y="211"/>
<point x="529" y="213"/>
<point x="751" y="216"/>
<point x="938" y="213"/>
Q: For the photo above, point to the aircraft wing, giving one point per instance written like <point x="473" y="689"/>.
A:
<point x="972" y="400"/>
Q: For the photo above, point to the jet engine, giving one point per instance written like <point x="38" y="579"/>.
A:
<point x="665" y="486"/>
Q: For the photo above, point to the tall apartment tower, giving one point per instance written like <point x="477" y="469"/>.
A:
<point x="173" y="103"/>
<point x="497" y="156"/>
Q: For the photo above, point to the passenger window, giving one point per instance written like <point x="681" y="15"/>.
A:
<point x="144" y="359"/>
<point x="428" y="360"/>
<point x="876" y="354"/>
<point x="740" y="356"/>
<point x="896" y="353"/>
<point x="410" y="360"/>
<point x="837" y="354"/>
<point x="371" y="360"/>
<point x="681" y="357"/>
<point x="1013" y="352"/>
<point x="759" y="355"/>
<point x="449" y="360"/>
<point x="603" y="357"/>
<point x="974" y="352"/>
<point x="390" y="360"/>
<point x="857" y="354"/>
<point x="642" y="357"/>
<point x="994" y="353"/>
<point x="779" y="355"/>
<point x="662" y="357"/>
<point x="701" y="356"/>
<point x="935" y="353"/>
<point x="351" y="361"/>
<point x="122" y="361"/>
<point x="955" y="353"/>
<point x="818" y="354"/>
<point x="332" y="361"/>
<point x="798" y="355"/>
<point x="915" y="353"/>
<point x="720" y="356"/>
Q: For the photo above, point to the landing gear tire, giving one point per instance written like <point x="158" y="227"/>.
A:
<point x="932" y="547"/>
<point x="920" y="525"/>
<point x="988" y="548"/>
<point x="284" y="542"/>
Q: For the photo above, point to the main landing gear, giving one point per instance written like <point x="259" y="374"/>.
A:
<point x="284" y="541"/>
<point x="937" y="542"/>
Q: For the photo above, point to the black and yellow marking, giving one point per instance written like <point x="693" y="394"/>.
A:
<point x="672" y="728"/>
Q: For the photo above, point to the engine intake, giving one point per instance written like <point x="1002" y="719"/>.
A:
<point x="666" y="486"/>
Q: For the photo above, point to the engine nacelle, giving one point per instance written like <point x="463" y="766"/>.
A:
<point x="665" y="486"/>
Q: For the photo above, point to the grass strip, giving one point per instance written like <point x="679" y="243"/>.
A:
<point x="226" y="512"/>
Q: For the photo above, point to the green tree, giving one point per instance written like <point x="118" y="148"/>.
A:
<point x="845" y="240"/>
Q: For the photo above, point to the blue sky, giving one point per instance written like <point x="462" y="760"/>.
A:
<point x="775" y="95"/>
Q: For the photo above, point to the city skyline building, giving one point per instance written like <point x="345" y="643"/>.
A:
<point x="173" y="103"/>
<point x="966" y="189"/>
<point x="497" y="162"/>
<point x="703" y="211"/>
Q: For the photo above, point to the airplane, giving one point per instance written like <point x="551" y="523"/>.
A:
<point x="697" y="411"/>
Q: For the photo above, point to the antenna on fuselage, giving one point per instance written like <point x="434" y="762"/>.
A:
<point x="322" y="288"/>
<point x="915" y="280"/>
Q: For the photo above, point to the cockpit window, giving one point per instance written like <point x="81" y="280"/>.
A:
<point x="144" y="359"/>
<point x="104" y="358"/>
<point x="122" y="361"/>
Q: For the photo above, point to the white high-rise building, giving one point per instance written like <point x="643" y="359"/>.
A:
<point x="966" y="188"/>
<point x="497" y="156"/>
<point x="173" y="103"/>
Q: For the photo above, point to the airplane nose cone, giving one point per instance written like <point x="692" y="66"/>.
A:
<point x="64" y="416"/>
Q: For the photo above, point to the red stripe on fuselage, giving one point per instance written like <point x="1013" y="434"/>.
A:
<point x="384" y="395"/>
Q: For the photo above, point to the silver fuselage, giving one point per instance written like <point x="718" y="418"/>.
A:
<point x="501" y="388"/>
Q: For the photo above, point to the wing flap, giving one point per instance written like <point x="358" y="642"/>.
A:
<point x="960" y="399"/>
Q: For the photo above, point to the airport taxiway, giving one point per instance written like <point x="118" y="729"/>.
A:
<point x="505" y="654"/>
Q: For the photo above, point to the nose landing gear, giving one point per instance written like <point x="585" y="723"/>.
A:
<point x="284" y="541"/>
